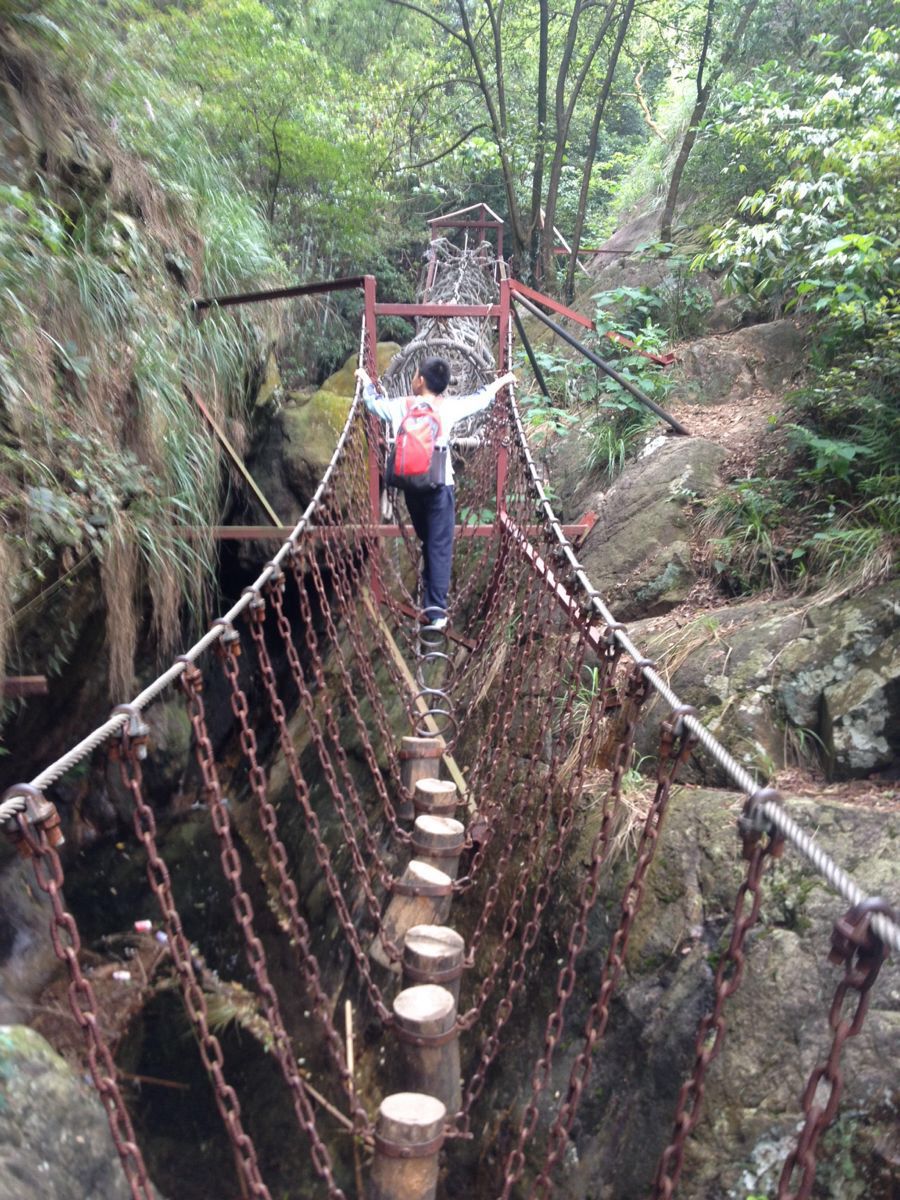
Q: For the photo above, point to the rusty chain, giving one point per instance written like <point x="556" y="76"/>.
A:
<point x="711" y="1032"/>
<point x="671" y="757"/>
<point x="37" y="844"/>
<point x="133" y="743"/>
<point x="862" y="953"/>
<point x="292" y="919"/>
<point x="301" y="791"/>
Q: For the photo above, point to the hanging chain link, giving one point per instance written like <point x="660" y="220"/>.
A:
<point x="711" y="1033"/>
<point x="48" y="872"/>
<point x="194" y="1000"/>
<point x="862" y="953"/>
<point x="301" y="789"/>
<point x="278" y="863"/>
<point x="671" y="757"/>
<point x="242" y="907"/>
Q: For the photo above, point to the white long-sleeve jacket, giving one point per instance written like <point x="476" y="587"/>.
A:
<point x="450" y="409"/>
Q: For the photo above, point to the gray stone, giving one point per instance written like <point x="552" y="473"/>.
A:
<point x="638" y="554"/>
<point x="55" y="1142"/>
<point x="776" y="1022"/>
<point x="728" y="367"/>
<point x="775" y="680"/>
<point x="27" y="960"/>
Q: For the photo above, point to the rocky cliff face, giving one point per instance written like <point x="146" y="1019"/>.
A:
<point x="777" y="1021"/>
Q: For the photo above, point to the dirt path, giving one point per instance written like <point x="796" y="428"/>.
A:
<point x="739" y="426"/>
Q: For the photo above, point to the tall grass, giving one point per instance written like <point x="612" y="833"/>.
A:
<point x="99" y="352"/>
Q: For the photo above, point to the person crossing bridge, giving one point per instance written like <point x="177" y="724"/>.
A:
<point x="424" y="422"/>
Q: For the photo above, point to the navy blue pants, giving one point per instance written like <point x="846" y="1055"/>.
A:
<point x="433" y="514"/>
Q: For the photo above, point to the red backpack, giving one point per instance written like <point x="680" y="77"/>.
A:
<point x="415" y="460"/>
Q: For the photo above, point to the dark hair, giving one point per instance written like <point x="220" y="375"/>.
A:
<point x="436" y="373"/>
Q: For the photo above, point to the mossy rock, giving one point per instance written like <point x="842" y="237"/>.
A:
<point x="54" y="1136"/>
<point x="311" y="431"/>
<point x="271" y="382"/>
<point x="343" y="382"/>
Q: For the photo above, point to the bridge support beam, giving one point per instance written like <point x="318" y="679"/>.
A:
<point x="425" y="1026"/>
<point x="434" y="954"/>
<point x="409" y="1133"/>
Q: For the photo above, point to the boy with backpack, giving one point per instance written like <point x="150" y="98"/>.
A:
<point x="419" y="464"/>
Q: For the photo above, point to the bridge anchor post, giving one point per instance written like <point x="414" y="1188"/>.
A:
<point x="425" y="1026"/>
<point x="409" y="1133"/>
<point x="434" y="954"/>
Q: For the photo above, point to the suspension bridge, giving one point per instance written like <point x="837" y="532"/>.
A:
<point x="459" y="810"/>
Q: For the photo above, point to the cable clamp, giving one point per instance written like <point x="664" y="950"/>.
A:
<point x="230" y="641"/>
<point x="276" y="579"/>
<point x="191" y="676"/>
<point x="609" y="633"/>
<point x="135" y="733"/>
<point x="36" y="812"/>
<point x="676" y="718"/>
<point x="853" y="933"/>
<point x="257" y="605"/>
<point x="753" y="823"/>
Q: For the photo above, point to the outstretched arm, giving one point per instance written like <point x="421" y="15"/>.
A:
<point x="467" y="406"/>
<point x="376" y="402"/>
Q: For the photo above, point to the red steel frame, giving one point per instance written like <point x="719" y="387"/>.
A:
<point x="486" y="219"/>
<point x="663" y="360"/>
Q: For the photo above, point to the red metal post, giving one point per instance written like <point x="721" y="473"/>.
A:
<point x="372" y="426"/>
<point x="436" y="310"/>
<point x="503" y="365"/>
<point x="553" y="305"/>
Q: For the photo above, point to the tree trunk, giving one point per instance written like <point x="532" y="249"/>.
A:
<point x="537" y="181"/>
<point x="704" y="91"/>
<point x="564" y="111"/>
<point x="592" y="145"/>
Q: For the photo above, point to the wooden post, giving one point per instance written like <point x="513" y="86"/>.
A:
<point x="434" y="954"/>
<point x="419" y="896"/>
<point x="409" y="1133"/>
<point x="436" y="797"/>
<point x="438" y="842"/>
<point x="419" y="759"/>
<point x="425" y="1025"/>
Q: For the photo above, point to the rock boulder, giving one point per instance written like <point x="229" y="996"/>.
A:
<point x="638" y="554"/>
<point x="55" y="1142"/>
<point x="778" y="680"/>
<point x="776" y="1022"/>
<point x="728" y="367"/>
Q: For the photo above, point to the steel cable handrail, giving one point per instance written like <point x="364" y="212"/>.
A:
<point x="884" y="926"/>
